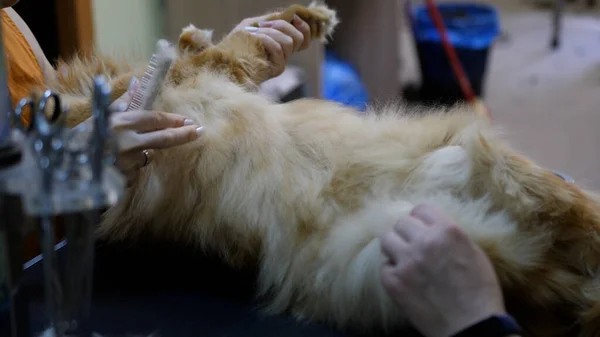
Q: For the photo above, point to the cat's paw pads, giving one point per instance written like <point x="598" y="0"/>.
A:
<point x="194" y="40"/>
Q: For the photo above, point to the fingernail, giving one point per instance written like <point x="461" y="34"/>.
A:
<point x="200" y="131"/>
<point x="251" y="29"/>
<point x="296" y="20"/>
<point x="188" y="122"/>
<point x="265" y="24"/>
<point x="132" y="83"/>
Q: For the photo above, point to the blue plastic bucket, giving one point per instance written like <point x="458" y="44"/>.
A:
<point x="341" y="83"/>
<point x="472" y="30"/>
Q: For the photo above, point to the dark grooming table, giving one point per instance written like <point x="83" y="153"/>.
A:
<point x="150" y="287"/>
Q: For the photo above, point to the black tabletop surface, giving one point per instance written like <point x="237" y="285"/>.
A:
<point x="151" y="287"/>
<point x="173" y="291"/>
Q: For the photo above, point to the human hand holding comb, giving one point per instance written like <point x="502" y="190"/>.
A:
<point x="139" y="132"/>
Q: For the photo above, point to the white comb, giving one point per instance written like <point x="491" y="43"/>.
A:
<point x="153" y="78"/>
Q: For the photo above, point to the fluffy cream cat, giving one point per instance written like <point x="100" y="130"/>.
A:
<point x="303" y="191"/>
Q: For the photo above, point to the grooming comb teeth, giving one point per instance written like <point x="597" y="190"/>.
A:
<point x="137" y="102"/>
<point x="153" y="77"/>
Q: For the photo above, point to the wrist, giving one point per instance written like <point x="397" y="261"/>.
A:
<point x="497" y="325"/>
<point x="471" y="311"/>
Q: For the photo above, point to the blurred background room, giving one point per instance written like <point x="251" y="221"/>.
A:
<point x="543" y="96"/>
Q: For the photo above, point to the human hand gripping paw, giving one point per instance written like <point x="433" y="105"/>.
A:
<point x="290" y="31"/>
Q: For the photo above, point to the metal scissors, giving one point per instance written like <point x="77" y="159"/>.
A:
<point x="41" y="123"/>
<point x="43" y="132"/>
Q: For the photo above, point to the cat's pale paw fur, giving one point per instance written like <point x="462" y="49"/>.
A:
<point x="195" y="40"/>
<point x="321" y="19"/>
<point x="330" y="23"/>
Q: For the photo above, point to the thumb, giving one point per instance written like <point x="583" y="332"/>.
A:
<point x="122" y="103"/>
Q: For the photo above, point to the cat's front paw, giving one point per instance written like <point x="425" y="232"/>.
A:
<point x="321" y="19"/>
<point x="194" y="40"/>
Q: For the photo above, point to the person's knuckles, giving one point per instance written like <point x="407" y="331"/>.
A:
<point x="272" y="46"/>
<point x="393" y="246"/>
<point x="389" y="280"/>
<point x="289" y="44"/>
<point x="280" y="39"/>
<point x="166" y="120"/>
<point x="297" y="36"/>
<point x="387" y="242"/>
<point x="410" y="268"/>
<point x="120" y="122"/>
<point x="277" y="35"/>
<point x="159" y="120"/>
<point x="421" y="210"/>
<point x="269" y="31"/>
<point x="409" y="227"/>
<point x="280" y="24"/>
<point x="429" y="214"/>
<point x="398" y="286"/>
<point x="434" y="247"/>
<point x="454" y="234"/>
<point x="299" y="42"/>
<point x="401" y="224"/>
<point x="432" y="240"/>
<point x="289" y="30"/>
<point x="305" y="29"/>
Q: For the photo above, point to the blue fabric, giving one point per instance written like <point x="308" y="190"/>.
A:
<point x="469" y="26"/>
<point x="342" y="83"/>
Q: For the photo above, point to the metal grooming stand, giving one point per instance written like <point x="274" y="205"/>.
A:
<point x="53" y="172"/>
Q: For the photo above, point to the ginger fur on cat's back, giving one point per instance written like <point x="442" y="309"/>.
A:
<point x="303" y="190"/>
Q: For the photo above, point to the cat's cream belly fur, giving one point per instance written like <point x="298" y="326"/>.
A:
<point x="341" y="283"/>
<point x="318" y="256"/>
<point x="304" y="190"/>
